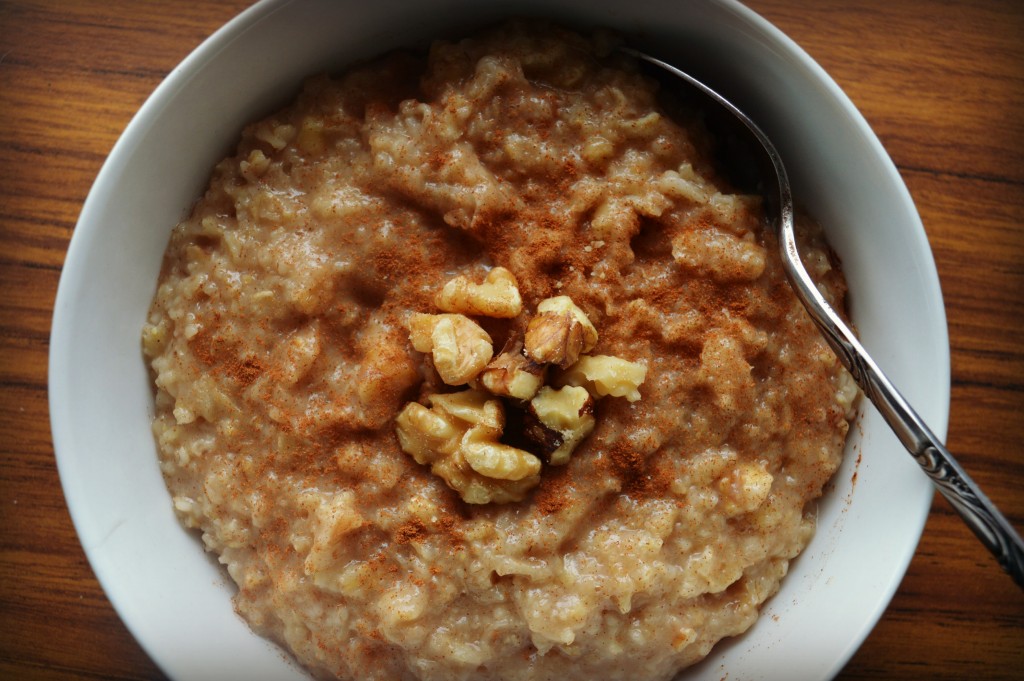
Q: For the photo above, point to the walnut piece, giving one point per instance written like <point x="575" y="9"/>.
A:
<point x="459" y="347"/>
<point x="492" y="459"/>
<point x="604" y="375"/>
<point x="558" y="420"/>
<point x="497" y="296"/>
<point x="512" y="374"/>
<point x="559" y="332"/>
<point x="458" y="435"/>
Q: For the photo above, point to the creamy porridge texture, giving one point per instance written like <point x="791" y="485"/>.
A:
<point x="283" y="341"/>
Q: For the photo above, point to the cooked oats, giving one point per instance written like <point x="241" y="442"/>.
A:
<point x="281" y="358"/>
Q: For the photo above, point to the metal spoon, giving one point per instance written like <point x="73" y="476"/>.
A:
<point x="984" y="519"/>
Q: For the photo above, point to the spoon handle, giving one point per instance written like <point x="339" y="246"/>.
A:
<point x="966" y="497"/>
<point x="984" y="519"/>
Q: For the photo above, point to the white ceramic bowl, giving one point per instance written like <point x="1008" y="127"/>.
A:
<point x="176" y="600"/>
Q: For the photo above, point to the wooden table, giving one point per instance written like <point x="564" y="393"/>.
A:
<point x="942" y="83"/>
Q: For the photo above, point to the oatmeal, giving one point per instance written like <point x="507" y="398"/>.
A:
<point x="369" y="355"/>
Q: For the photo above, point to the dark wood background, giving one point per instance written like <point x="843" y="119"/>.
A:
<point x="942" y="84"/>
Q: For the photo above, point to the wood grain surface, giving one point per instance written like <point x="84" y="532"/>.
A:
<point x="941" y="83"/>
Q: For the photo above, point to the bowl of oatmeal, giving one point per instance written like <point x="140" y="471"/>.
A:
<point x="447" y="349"/>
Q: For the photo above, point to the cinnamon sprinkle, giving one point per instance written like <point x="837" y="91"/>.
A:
<point x="555" y="492"/>
<point x="638" y="476"/>
<point x="411" y="531"/>
<point x="220" y="356"/>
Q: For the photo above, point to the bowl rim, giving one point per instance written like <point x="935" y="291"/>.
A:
<point x="61" y="347"/>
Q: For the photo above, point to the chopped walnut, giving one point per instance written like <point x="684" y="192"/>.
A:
<point x="497" y="296"/>
<point x="459" y="347"/>
<point x="558" y="420"/>
<point x="459" y="437"/>
<point x="492" y="459"/>
<point x="512" y="374"/>
<point x="424" y="433"/>
<point x="604" y="375"/>
<point x="559" y="332"/>
<point x="459" y="434"/>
